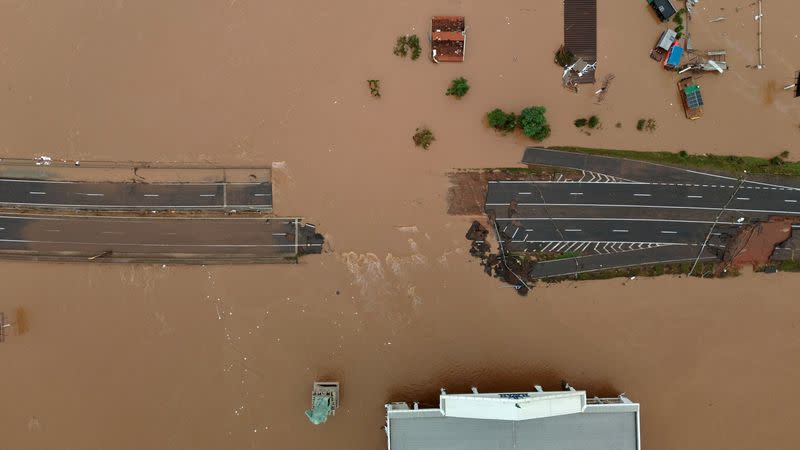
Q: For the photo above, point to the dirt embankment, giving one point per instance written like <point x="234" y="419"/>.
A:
<point x="755" y="243"/>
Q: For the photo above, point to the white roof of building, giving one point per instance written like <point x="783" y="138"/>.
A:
<point x="513" y="406"/>
<point x="559" y="420"/>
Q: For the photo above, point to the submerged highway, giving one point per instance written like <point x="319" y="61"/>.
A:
<point x="131" y="196"/>
<point x="184" y="240"/>
<point x="623" y="213"/>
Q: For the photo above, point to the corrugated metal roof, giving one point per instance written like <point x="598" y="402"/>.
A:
<point x="583" y="431"/>
<point x="580" y="32"/>
<point x="675" y="56"/>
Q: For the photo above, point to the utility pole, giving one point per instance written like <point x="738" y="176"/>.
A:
<point x="759" y="18"/>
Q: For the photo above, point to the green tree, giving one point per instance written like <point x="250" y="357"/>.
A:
<point x="423" y="137"/>
<point x="458" y="87"/>
<point x="593" y="122"/>
<point x="563" y="57"/>
<point x="400" y="46"/>
<point x="413" y="42"/>
<point x="580" y="122"/>
<point x="534" y="123"/>
<point x="502" y="121"/>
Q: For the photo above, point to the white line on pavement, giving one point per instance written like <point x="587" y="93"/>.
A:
<point x="599" y="205"/>
<point x="619" y="231"/>
<point x="614" y="219"/>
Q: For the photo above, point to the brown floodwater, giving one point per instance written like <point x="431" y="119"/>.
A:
<point x="142" y="356"/>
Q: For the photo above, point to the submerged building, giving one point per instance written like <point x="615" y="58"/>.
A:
<point x="539" y="420"/>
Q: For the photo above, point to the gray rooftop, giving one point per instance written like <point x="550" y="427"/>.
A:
<point x="584" y="431"/>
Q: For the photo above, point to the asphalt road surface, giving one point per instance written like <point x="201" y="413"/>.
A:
<point x="131" y="196"/>
<point x="182" y="240"/>
<point x="627" y="169"/>
<point x="750" y="198"/>
<point x="596" y="263"/>
<point x="627" y="213"/>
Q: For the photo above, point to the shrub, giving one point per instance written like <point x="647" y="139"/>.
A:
<point x="423" y="137"/>
<point x="593" y="122"/>
<point x="534" y="123"/>
<point x="679" y="16"/>
<point x="646" y="124"/>
<point x="580" y="122"/>
<point x="404" y="43"/>
<point x="564" y="57"/>
<point x="413" y="42"/>
<point x="400" y="46"/>
<point x="458" y="87"/>
<point x="683" y="154"/>
<point x="776" y="161"/>
<point x="374" y="87"/>
<point x="619" y="125"/>
<point x="502" y="121"/>
<point x="785" y="154"/>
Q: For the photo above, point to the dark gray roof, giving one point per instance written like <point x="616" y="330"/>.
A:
<point x="664" y="8"/>
<point x="583" y="431"/>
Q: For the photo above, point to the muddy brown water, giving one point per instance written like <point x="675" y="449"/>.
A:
<point x="119" y="356"/>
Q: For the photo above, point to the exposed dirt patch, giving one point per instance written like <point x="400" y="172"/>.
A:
<point x="467" y="193"/>
<point x="754" y="244"/>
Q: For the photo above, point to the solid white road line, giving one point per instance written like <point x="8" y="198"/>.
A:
<point x="694" y="196"/>
<point x="611" y="219"/>
<point x="669" y="232"/>
<point x="790" y="201"/>
<point x="207" y="195"/>
<point x="642" y="195"/>
<point x="600" y="205"/>
<point x="153" y="245"/>
<point x="151" y="195"/>
<point x="37" y="193"/>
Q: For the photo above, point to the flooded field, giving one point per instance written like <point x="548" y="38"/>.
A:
<point x="119" y="356"/>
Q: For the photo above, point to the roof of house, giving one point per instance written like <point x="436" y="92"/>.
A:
<point x="667" y="39"/>
<point x="797" y="86"/>
<point x="694" y="99"/>
<point x="675" y="56"/>
<point x="664" y="8"/>
<point x="448" y="38"/>
<point x="581" y="431"/>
